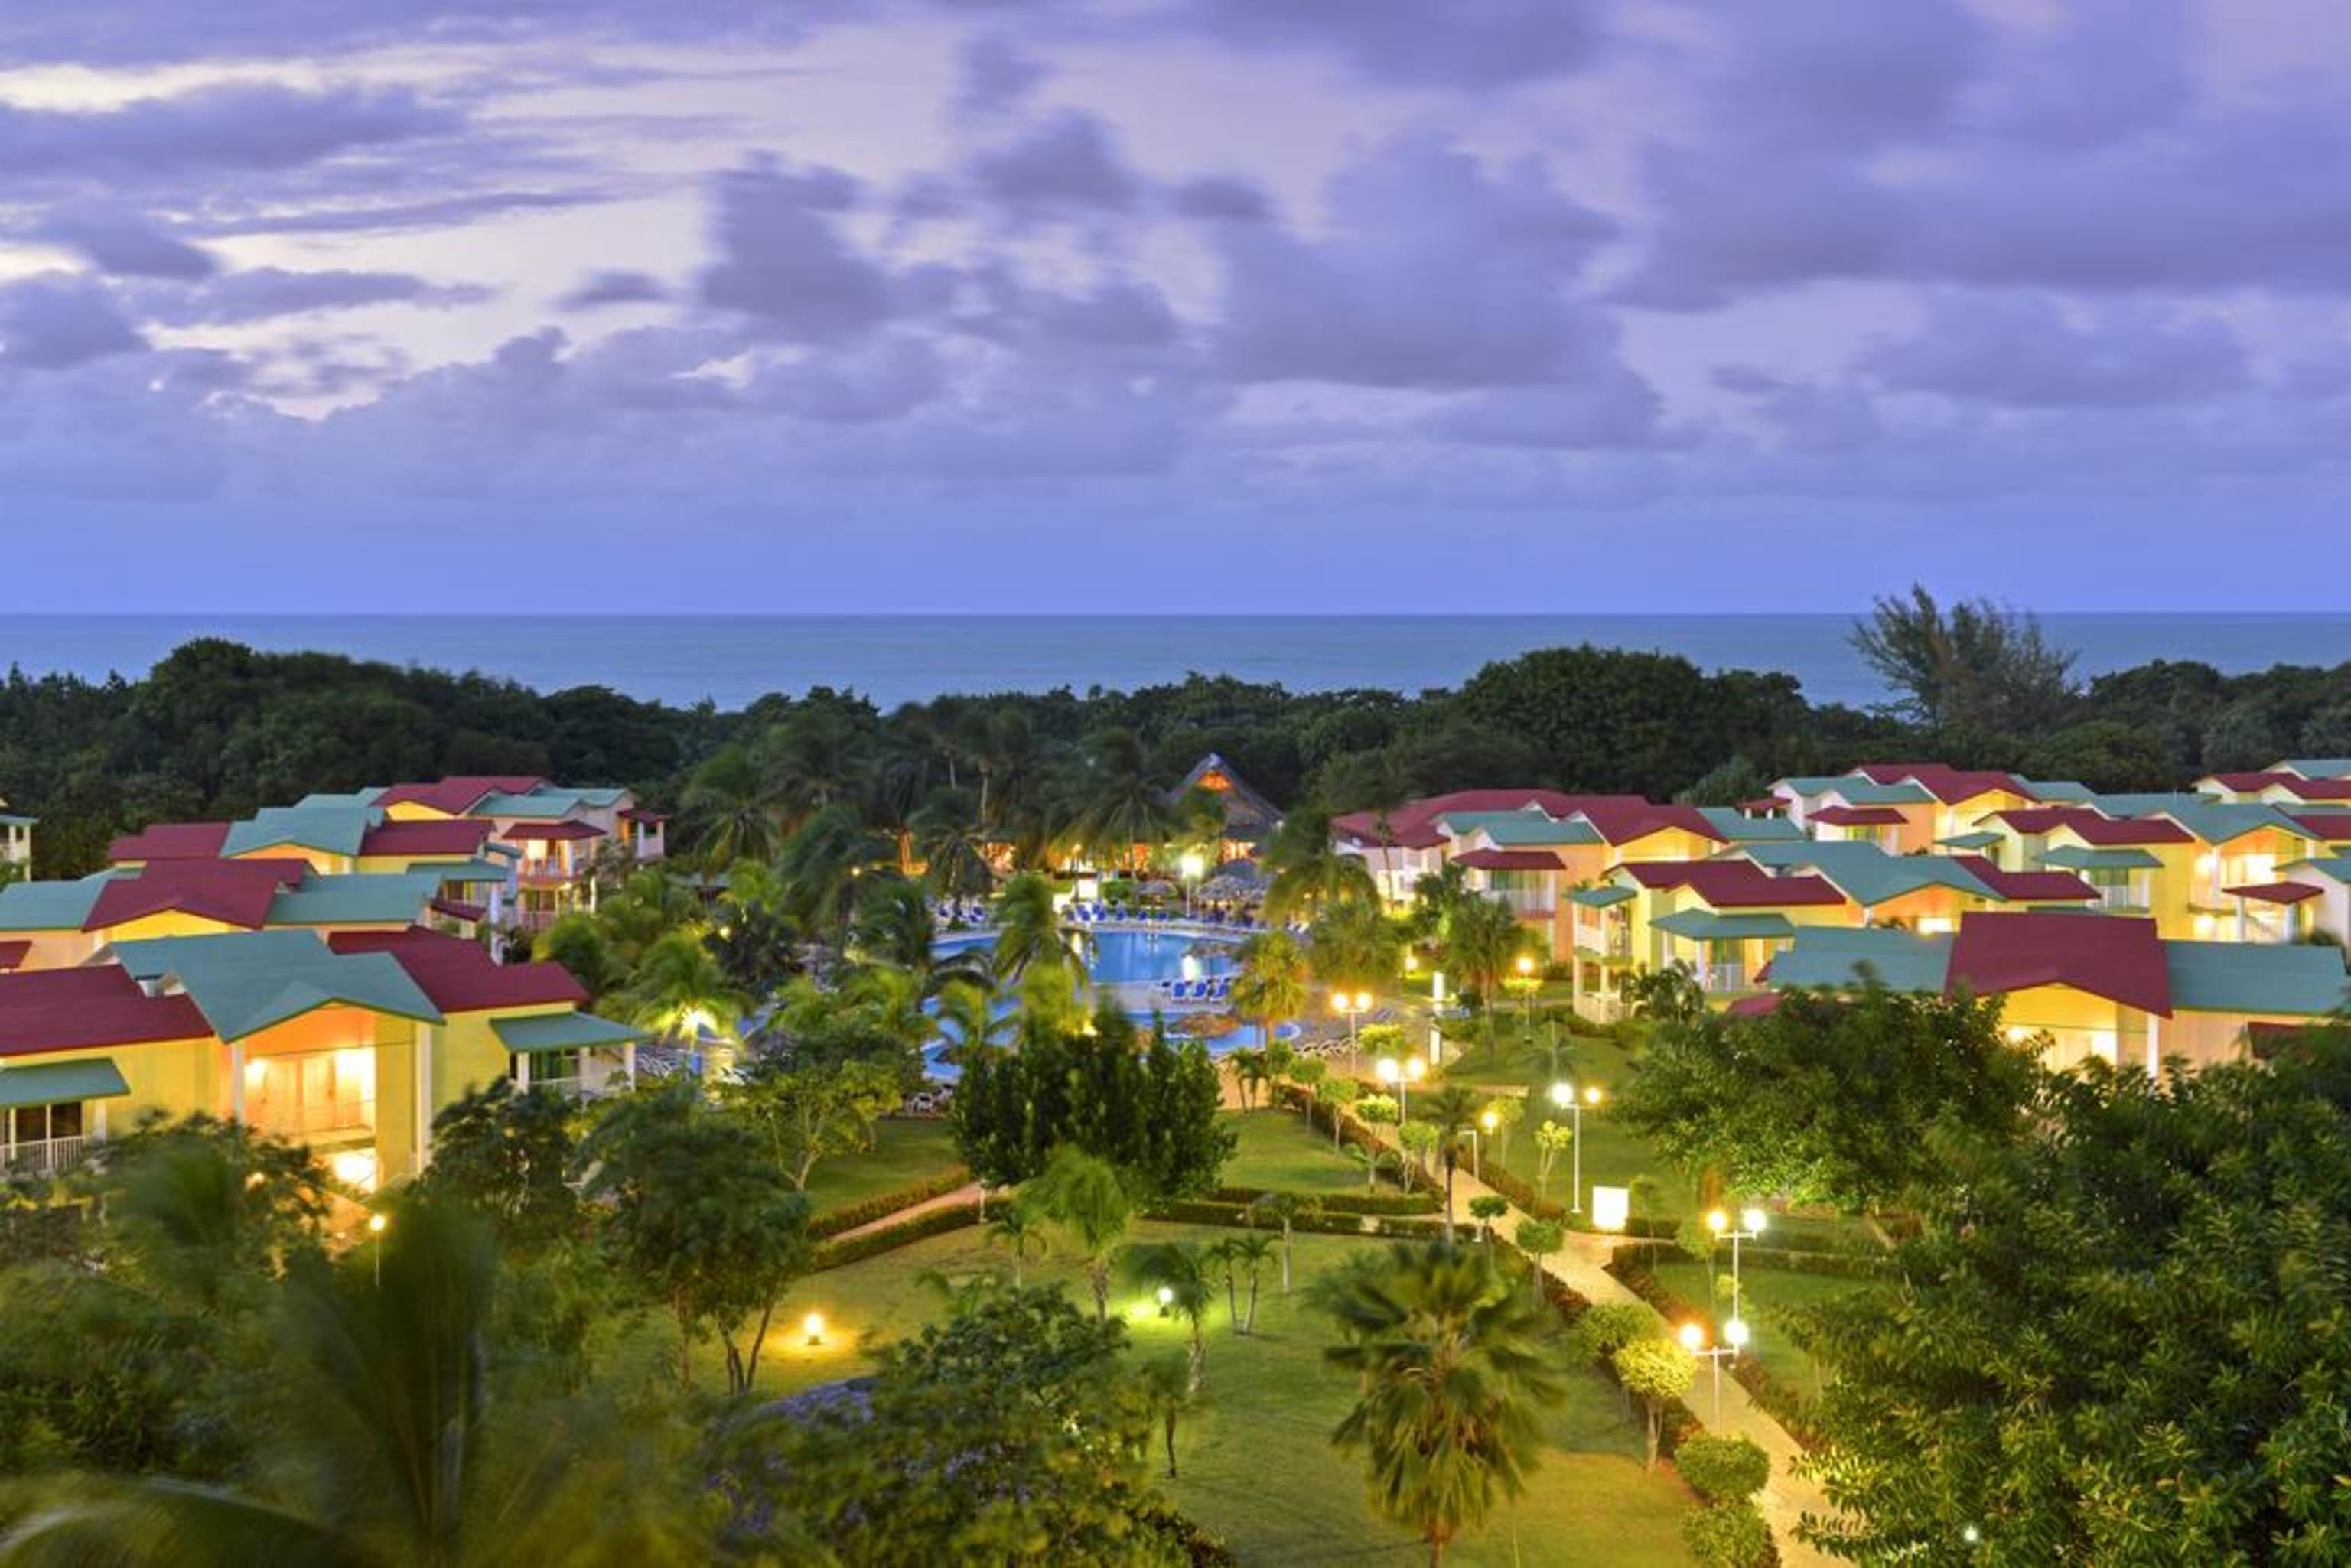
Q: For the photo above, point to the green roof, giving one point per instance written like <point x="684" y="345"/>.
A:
<point x="546" y="804"/>
<point x="1521" y="827"/>
<point x="49" y="905"/>
<point x="2060" y="791"/>
<point x="246" y="982"/>
<point x="358" y="799"/>
<point x="2336" y="868"/>
<point x="2217" y="822"/>
<point x="1834" y="956"/>
<point x="1601" y="897"/>
<point x="1705" y="925"/>
<point x="2145" y="805"/>
<point x="1867" y="874"/>
<point x="331" y="829"/>
<point x="2070" y="857"/>
<point x="2292" y="977"/>
<point x="560" y="1031"/>
<point x="2315" y="767"/>
<point x="461" y="871"/>
<point x="53" y="1083"/>
<point x="1982" y="839"/>
<point x="1857" y="790"/>
<point x="10" y="820"/>
<point x="365" y="898"/>
<point x="1737" y="826"/>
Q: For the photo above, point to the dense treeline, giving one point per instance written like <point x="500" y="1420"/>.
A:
<point x="217" y="729"/>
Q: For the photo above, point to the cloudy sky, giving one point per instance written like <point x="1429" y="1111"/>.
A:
<point x="1186" y="304"/>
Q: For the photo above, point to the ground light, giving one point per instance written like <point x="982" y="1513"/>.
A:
<point x="1564" y="1095"/>
<point x="1489" y="1121"/>
<point x="813" y="1325"/>
<point x="1166" y="1294"/>
<point x="376" y="1223"/>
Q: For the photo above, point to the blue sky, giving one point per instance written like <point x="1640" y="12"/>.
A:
<point x="1519" y="305"/>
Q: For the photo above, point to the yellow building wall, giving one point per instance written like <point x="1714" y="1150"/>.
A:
<point x="320" y="861"/>
<point x="2079" y="1025"/>
<point x="416" y="811"/>
<point x="168" y="925"/>
<point x="56" y="949"/>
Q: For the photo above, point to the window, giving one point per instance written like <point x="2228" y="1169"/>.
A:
<point x="40" y="1124"/>
<point x="317" y="1092"/>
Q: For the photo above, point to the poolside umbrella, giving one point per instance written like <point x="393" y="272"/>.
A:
<point x="1229" y="890"/>
<point x="1158" y="889"/>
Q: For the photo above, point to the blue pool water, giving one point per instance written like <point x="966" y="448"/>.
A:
<point x="1129" y="957"/>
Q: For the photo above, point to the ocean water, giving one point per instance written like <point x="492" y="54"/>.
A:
<point x="732" y="659"/>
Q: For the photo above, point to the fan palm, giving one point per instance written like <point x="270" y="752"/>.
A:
<point x="1019" y="1229"/>
<point x="1481" y="939"/>
<point x="1452" y="1375"/>
<point x="1354" y="943"/>
<point x="1085" y="1197"/>
<point x="1309" y="869"/>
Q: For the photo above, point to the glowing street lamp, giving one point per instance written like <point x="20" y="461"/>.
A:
<point x="1693" y="1338"/>
<point x="1401" y="1076"/>
<point x="1489" y="1121"/>
<point x="1193" y="866"/>
<point x="1750" y="1226"/>
<point x="1351" y="1006"/>
<point x="1166" y="1294"/>
<point x="376" y="1222"/>
<point x="1564" y="1095"/>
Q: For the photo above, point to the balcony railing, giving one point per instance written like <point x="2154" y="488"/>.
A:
<point x="1719" y="980"/>
<point x="307" y="1118"/>
<point x="1523" y="902"/>
<point x="43" y="1156"/>
<point x="549" y="868"/>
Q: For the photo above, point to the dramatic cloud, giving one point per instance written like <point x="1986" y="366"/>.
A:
<point x="784" y="260"/>
<point x="1066" y="165"/>
<point x="231" y="126"/>
<point x="51" y="321"/>
<point x="2025" y="352"/>
<point x="126" y="242"/>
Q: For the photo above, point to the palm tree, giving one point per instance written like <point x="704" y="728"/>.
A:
<point x="1182" y="1274"/>
<point x="730" y="811"/>
<point x="680" y="990"/>
<point x="1452" y="1376"/>
<point x="1085" y="1197"/>
<point x="948" y="841"/>
<point x="1481" y="939"/>
<point x="1354" y="943"/>
<point x="1019" y="1229"/>
<point x="823" y="864"/>
<point x="1000" y="746"/>
<point x="893" y="925"/>
<point x="1285" y="1209"/>
<point x="1249" y="1251"/>
<point x="1165" y="1383"/>
<point x="1309" y="869"/>
<point x="1274" y="983"/>
<point x="810" y="760"/>
<point x="1028" y="931"/>
<point x="1249" y="1071"/>
<point x="1452" y="1111"/>
<point x="1111" y="803"/>
<point x="968" y="1015"/>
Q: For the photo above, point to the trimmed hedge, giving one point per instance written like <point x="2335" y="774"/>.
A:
<point x="1166" y="1522"/>
<point x="1205" y="1211"/>
<point x="1338" y="1203"/>
<point x="882" y="1205"/>
<point x="890" y="1238"/>
<point x="1787" y="1260"/>
<point x="1523" y="1195"/>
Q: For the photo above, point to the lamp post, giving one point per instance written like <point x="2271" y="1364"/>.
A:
<point x="1734" y="1334"/>
<point x="1401" y="1076"/>
<point x="1477" y="1148"/>
<point x="1564" y="1096"/>
<point x="376" y="1223"/>
<point x="1750" y="1226"/>
<point x="1528" y="985"/>
<point x="1192" y="866"/>
<point x="1352" y="1005"/>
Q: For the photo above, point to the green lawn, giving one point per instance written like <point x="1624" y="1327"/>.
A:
<point x="1278" y="1151"/>
<point x="907" y="1149"/>
<point x="1257" y="1466"/>
<point x="1767" y="1292"/>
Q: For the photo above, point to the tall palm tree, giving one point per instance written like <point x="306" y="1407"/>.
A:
<point x="1481" y="939"/>
<point x="1167" y="1392"/>
<point x="1019" y="1229"/>
<point x="1309" y="871"/>
<point x="1452" y="1111"/>
<point x="729" y="808"/>
<point x="1247" y="1254"/>
<point x="1028" y="931"/>
<point x="1085" y="1196"/>
<point x="823" y="864"/>
<point x="1452" y="1375"/>
<point x="1274" y="983"/>
<point x="947" y="839"/>
<point x="1111" y="804"/>
<point x="1002" y="751"/>
<point x="1182" y="1274"/>
<point x="810" y="760"/>
<point x="1354" y="943"/>
<point x="679" y="991"/>
<point x="966" y="1014"/>
<point x="893" y="925"/>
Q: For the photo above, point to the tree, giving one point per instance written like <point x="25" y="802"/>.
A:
<point x="1723" y="1469"/>
<point x="507" y="1154"/>
<point x="1086" y="1198"/>
<point x="1553" y="1139"/>
<point x="1250" y="1072"/>
<point x="1182" y="1275"/>
<point x="1112" y="803"/>
<point x="894" y="926"/>
<point x="1980" y="666"/>
<point x="730" y="809"/>
<point x="1247" y="1253"/>
<point x="1166" y="1386"/>
<point x="1603" y="1329"/>
<point x="811" y="1112"/>
<point x="1482" y="939"/>
<point x="1452" y="1375"/>
<point x="1353" y="945"/>
<point x="1504" y="1111"/>
<point x="1452" y="1113"/>
<point x="1538" y="1239"/>
<point x="1274" y="983"/>
<point x="1418" y="1139"/>
<point x="2105" y="1342"/>
<point x="1309" y="871"/>
<point x="1335" y="1095"/>
<point x="1667" y="994"/>
<point x="1829" y="1099"/>
<point x="1028" y="932"/>
<point x="825" y="866"/>
<point x="1020" y="1229"/>
<point x="578" y="942"/>
<point x="680" y="992"/>
<point x="700" y="1216"/>
<point x="1285" y="1209"/>
<point x="1657" y="1371"/>
<point x="1486" y="1209"/>
<point x="1010" y="1432"/>
<point x="948" y="840"/>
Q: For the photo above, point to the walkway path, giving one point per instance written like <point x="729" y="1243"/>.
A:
<point x="962" y="1196"/>
<point x="1582" y="1265"/>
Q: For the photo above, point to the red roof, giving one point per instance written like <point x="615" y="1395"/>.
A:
<point x="2093" y="828"/>
<point x="459" y="836"/>
<point x="2335" y="827"/>
<point x="2253" y="783"/>
<point x="2027" y="886"/>
<point x="461" y="793"/>
<point x="1951" y="786"/>
<point x="13" y="953"/>
<point x="1859" y="816"/>
<point x="1763" y="803"/>
<point x="1412" y="825"/>
<point x="642" y="814"/>
<point x="1621" y="818"/>
<point x="235" y="893"/>
<point x="458" y="909"/>
<point x="459" y="976"/>
<point x="1510" y="860"/>
<point x="2274" y="892"/>
<point x="2107" y="956"/>
<point x="535" y="832"/>
<point x="1755" y="1006"/>
<point x="170" y="842"/>
<point x="70" y="1010"/>
<point x="1735" y="885"/>
<point x="2325" y="789"/>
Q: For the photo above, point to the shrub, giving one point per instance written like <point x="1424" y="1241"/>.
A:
<point x="867" y="1210"/>
<point x="1728" y="1535"/>
<point x="890" y="1238"/>
<point x="1724" y="1470"/>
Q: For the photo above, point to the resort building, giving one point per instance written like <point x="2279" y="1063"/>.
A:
<point x="15" y="842"/>
<point x="2109" y="987"/>
<point x="1249" y="818"/>
<point x="349" y="1044"/>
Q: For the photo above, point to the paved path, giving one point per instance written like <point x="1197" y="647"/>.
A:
<point x="1582" y="1265"/>
<point x="962" y="1196"/>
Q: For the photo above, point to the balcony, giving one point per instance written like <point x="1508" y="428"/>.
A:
<point x="550" y="870"/>
<point x="306" y="1119"/>
<point x="43" y="1156"/>
<point x="1722" y="979"/>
